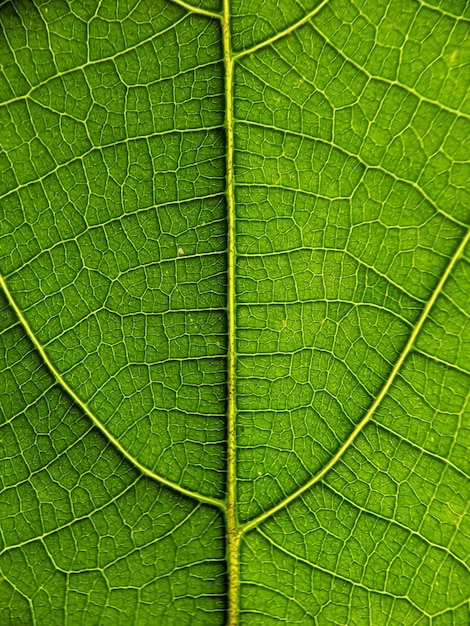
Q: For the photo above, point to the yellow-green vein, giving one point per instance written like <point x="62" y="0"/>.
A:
<point x="287" y="31"/>
<point x="95" y="421"/>
<point x="197" y="10"/>
<point x="367" y="417"/>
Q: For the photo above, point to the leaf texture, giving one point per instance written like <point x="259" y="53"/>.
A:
<point x="234" y="322"/>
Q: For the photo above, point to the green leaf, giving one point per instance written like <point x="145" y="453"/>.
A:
<point x="234" y="324"/>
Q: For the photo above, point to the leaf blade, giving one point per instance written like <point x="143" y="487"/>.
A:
<point x="256" y="218"/>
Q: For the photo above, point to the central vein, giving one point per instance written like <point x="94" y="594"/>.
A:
<point x="231" y="514"/>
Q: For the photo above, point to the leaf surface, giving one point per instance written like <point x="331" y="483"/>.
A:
<point x="234" y="314"/>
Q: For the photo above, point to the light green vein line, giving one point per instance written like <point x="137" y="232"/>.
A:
<point x="444" y="362"/>
<point x="393" y="374"/>
<point x="392" y="523"/>
<point x="437" y="9"/>
<point x="357" y="157"/>
<point x="334" y="574"/>
<point x="283" y="33"/>
<point x="72" y="522"/>
<point x="90" y="63"/>
<point x="231" y="506"/>
<point x="60" y="380"/>
<point x="193" y="9"/>
<point x="424" y="451"/>
<point x="386" y="81"/>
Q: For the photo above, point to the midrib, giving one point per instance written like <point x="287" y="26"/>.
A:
<point x="234" y="530"/>
<point x="233" y="536"/>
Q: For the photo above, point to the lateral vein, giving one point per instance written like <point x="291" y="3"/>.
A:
<point x="95" y="421"/>
<point x="197" y="10"/>
<point x="368" y="416"/>
<point x="287" y="31"/>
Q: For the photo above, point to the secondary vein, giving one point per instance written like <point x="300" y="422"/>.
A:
<point x="287" y="31"/>
<point x="95" y="421"/>
<point x="368" y="416"/>
<point x="198" y="10"/>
